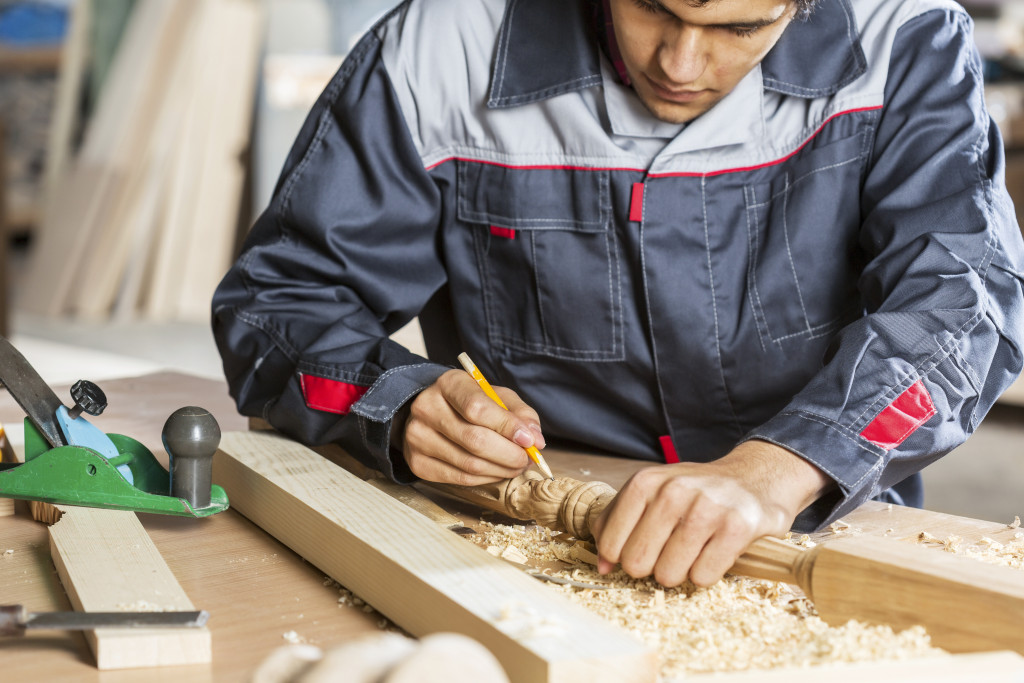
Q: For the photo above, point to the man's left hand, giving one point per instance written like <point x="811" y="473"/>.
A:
<point x="693" y="520"/>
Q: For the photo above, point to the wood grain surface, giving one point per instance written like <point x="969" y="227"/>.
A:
<point x="424" y="578"/>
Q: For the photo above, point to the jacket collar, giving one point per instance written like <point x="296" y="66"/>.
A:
<point x="548" y="48"/>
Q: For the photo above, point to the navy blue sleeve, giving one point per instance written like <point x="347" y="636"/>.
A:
<point x="344" y="255"/>
<point x="942" y="290"/>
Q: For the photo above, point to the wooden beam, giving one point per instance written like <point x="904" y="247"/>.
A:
<point x="107" y="563"/>
<point x="420" y="576"/>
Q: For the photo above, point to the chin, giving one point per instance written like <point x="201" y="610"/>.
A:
<point x="674" y="112"/>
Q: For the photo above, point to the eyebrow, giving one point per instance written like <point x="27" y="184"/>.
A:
<point x="752" y="23"/>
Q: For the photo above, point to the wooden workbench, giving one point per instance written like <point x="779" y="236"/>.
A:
<point x="255" y="589"/>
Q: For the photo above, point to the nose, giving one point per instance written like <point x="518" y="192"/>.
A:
<point x="682" y="55"/>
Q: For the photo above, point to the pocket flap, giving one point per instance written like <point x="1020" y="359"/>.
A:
<point x="533" y="198"/>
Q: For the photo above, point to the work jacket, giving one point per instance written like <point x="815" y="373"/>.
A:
<point x="827" y="260"/>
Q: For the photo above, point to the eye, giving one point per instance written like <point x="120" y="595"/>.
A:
<point x="650" y="7"/>
<point x="744" y="31"/>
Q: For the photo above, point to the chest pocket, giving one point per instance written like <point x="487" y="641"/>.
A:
<point x="547" y="257"/>
<point x="802" y="229"/>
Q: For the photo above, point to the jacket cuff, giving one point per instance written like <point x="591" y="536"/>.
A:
<point x="380" y="415"/>
<point x="852" y="462"/>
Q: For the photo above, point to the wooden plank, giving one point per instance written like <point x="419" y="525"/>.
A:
<point x="213" y="232"/>
<point x="171" y="248"/>
<point x="107" y="563"/>
<point x="988" y="666"/>
<point x="74" y="56"/>
<point x="422" y="577"/>
<point x="152" y="132"/>
<point x="83" y="199"/>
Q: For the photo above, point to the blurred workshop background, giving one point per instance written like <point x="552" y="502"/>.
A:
<point x="139" y="138"/>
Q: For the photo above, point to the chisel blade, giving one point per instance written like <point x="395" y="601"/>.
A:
<point x="14" y="619"/>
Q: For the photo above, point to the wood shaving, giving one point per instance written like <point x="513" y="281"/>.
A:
<point x="293" y="637"/>
<point x="737" y="624"/>
<point x="804" y="541"/>
<point x="990" y="551"/>
<point x="838" y="526"/>
<point x="347" y="598"/>
<point x="9" y="553"/>
<point x="514" y="554"/>
<point x="1015" y="523"/>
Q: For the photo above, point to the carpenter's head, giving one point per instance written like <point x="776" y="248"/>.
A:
<point x="683" y="56"/>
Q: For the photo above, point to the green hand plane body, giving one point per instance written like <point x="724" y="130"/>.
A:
<point x="69" y="461"/>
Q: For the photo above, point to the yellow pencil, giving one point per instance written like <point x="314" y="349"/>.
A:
<point x="475" y="373"/>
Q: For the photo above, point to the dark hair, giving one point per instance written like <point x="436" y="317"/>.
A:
<point x="803" y="7"/>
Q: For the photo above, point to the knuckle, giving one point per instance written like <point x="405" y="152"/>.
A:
<point x="670" y="577"/>
<point x="737" y="528"/>
<point x="702" y="578"/>
<point x="474" y="439"/>
<point x="416" y="464"/>
<point x="635" y="568"/>
<point x="472" y="466"/>
<point x="463" y="478"/>
<point x="414" y="430"/>
<point x="475" y="410"/>
<point x="644" y="477"/>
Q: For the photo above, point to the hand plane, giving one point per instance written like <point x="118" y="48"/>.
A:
<point x="68" y="460"/>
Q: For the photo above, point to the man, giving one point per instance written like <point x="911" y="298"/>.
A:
<point x="765" y="245"/>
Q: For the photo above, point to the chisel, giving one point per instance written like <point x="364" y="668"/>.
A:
<point x="15" y="620"/>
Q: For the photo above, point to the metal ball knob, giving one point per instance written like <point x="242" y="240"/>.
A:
<point x="88" y="398"/>
<point x="191" y="436"/>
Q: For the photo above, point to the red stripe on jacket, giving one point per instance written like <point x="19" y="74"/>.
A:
<point x="906" y="413"/>
<point x="330" y="395"/>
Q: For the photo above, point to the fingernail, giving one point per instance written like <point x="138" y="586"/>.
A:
<point x="538" y="437"/>
<point x="523" y="438"/>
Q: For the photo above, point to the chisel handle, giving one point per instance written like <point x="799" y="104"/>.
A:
<point x="12" y="620"/>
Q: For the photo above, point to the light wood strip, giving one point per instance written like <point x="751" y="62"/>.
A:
<point x="422" y="577"/>
<point x="107" y="563"/>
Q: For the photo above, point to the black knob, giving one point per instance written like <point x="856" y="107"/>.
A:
<point x="88" y="398"/>
<point x="191" y="436"/>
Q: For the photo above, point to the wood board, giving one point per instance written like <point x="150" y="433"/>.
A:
<point x="107" y="563"/>
<point x="144" y="218"/>
<point x="423" y="578"/>
<point x="84" y="198"/>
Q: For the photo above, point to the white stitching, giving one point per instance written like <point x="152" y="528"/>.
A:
<point x="789" y="253"/>
<point x="755" y="296"/>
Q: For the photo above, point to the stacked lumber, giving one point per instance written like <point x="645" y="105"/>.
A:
<point x="142" y="221"/>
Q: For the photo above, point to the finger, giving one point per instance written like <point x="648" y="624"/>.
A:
<point x="433" y="469"/>
<point x="524" y="412"/>
<point x="474" y="406"/>
<point x="422" y="439"/>
<point x="661" y="518"/>
<point x="677" y="557"/>
<point x="433" y="411"/>
<point x="721" y="551"/>
<point x="617" y="522"/>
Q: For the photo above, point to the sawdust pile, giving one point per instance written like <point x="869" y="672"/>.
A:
<point x="1008" y="554"/>
<point x="737" y="624"/>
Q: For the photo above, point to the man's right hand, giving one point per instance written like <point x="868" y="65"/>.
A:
<point x="456" y="434"/>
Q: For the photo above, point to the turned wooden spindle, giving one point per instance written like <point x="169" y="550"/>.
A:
<point x="565" y="504"/>
<point x="964" y="604"/>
